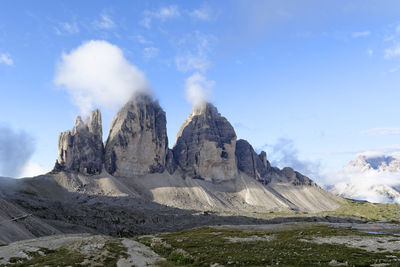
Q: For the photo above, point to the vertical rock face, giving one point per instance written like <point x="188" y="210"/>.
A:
<point x="205" y="146"/>
<point x="82" y="149"/>
<point x="252" y="164"/>
<point x="137" y="143"/>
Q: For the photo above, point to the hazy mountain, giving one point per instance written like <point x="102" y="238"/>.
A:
<point x="375" y="178"/>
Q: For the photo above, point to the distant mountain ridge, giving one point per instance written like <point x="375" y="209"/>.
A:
<point x="374" y="178"/>
<point x="380" y="163"/>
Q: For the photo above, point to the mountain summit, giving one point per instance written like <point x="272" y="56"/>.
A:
<point x="205" y="145"/>
<point x="137" y="143"/>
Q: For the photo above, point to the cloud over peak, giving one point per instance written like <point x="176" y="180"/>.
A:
<point x="97" y="74"/>
<point x="198" y="89"/>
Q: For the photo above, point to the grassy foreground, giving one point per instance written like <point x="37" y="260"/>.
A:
<point x="240" y="247"/>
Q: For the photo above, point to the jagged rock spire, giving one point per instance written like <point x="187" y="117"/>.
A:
<point x="205" y="145"/>
<point x="137" y="143"/>
<point x="82" y="149"/>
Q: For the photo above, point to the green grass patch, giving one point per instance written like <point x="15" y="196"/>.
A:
<point x="204" y="246"/>
<point x="368" y="211"/>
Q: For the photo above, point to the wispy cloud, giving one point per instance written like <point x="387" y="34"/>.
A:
<point x="67" y="28"/>
<point x="361" y="34"/>
<point x="285" y="154"/>
<point x="162" y="14"/>
<point x="105" y="22"/>
<point x="376" y="150"/>
<point x="142" y="40"/>
<point x="194" y="50"/>
<point x="150" y="52"/>
<point x="382" y="131"/>
<point x="392" y="52"/>
<point x="6" y="59"/>
<point x="202" y="13"/>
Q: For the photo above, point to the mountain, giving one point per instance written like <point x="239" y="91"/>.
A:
<point x="375" y="178"/>
<point x="137" y="143"/>
<point x="135" y="182"/>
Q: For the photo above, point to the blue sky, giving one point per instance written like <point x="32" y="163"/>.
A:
<point x="312" y="83"/>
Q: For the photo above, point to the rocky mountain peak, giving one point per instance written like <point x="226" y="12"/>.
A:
<point x="137" y="143"/>
<point x="205" y="145"/>
<point x="379" y="163"/>
<point x="82" y="149"/>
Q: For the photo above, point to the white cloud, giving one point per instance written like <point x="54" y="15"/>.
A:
<point x="150" y="52"/>
<point x="361" y="34"/>
<point x="97" y="74"/>
<point x="162" y="14"/>
<point x="6" y="59"/>
<point x="198" y="89"/>
<point x="32" y="169"/>
<point x="392" y="52"/>
<point x="67" y="28"/>
<point x="203" y="13"/>
<point x="105" y="22"/>
<point x="370" y="52"/>
<point x="382" y="131"/>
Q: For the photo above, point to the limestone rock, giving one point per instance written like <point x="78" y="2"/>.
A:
<point x="137" y="143"/>
<point x="256" y="166"/>
<point x="295" y="177"/>
<point x="82" y="149"/>
<point x="205" y="145"/>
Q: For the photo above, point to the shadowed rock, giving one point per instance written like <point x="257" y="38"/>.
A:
<point x="137" y="143"/>
<point x="82" y="149"/>
<point x="205" y="146"/>
<point x="256" y="166"/>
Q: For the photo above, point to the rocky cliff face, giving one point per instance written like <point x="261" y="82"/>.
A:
<point x="256" y="166"/>
<point x="82" y="149"/>
<point x="137" y="143"/>
<point x="205" y="146"/>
